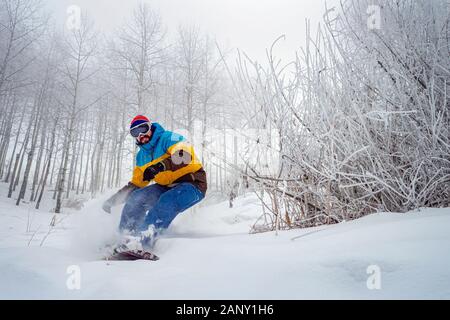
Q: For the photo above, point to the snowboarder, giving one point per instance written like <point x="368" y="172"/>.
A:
<point x="180" y="182"/>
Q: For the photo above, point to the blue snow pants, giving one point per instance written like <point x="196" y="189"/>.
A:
<point x="157" y="205"/>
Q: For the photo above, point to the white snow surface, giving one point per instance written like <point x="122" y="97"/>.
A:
<point x="207" y="253"/>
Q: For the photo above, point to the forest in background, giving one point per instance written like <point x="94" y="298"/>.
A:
<point x="361" y="115"/>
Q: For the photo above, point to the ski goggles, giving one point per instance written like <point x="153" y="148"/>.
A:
<point x="140" y="129"/>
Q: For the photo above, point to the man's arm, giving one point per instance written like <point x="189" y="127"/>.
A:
<point x="119" y="197"/>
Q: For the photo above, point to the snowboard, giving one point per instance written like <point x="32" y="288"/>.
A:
<point x="133" y="255"/>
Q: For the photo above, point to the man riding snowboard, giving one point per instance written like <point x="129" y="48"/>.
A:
<point x="180" y="182"/>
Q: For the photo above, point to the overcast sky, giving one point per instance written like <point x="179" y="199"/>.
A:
<point x="250" y="25"/>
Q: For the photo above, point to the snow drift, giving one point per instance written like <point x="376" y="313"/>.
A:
<point x="208" y="254"/>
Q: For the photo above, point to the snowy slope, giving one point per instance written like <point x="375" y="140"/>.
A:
<point x="208" y="254"/>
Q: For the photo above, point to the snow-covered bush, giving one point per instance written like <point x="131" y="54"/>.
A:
<point x="363" y="114"/>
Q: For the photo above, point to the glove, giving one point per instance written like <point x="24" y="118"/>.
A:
<point x="119" y="197"/>
<point x="107" y="206"/>
<point x="152" y="171"/>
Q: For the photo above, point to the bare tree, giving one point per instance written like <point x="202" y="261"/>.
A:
<point x="22" y="23"/>
<point x="79" y="48"/>
<point x="140" y="47"/>
<point x="189" y="59"/>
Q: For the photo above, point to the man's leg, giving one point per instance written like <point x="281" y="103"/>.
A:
<point x="138" y="203"/>
<point x="169" y="205"/>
